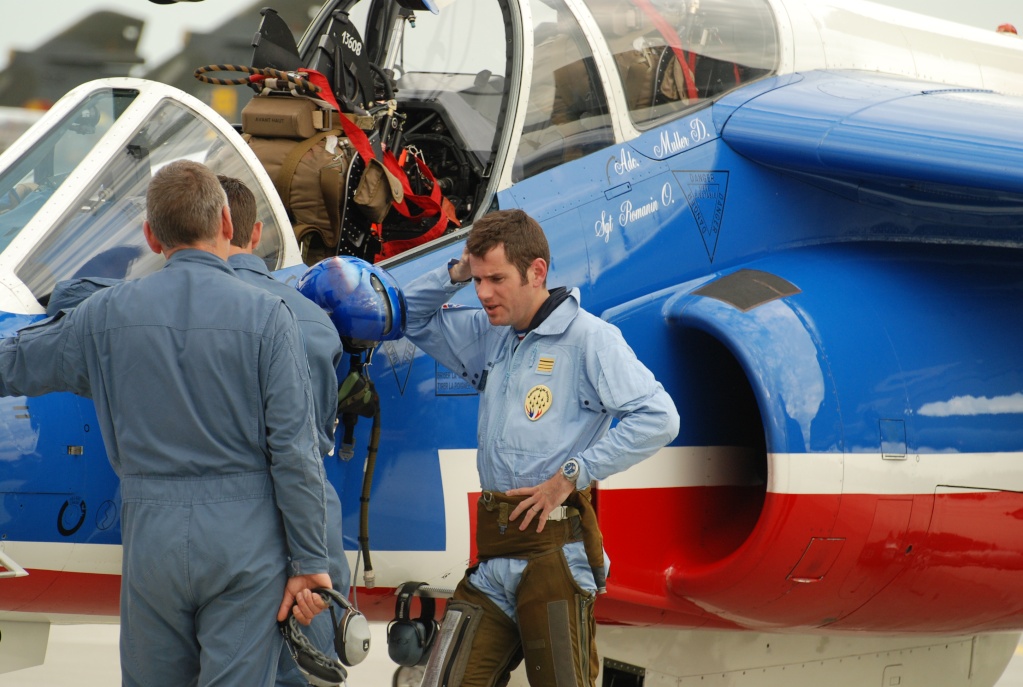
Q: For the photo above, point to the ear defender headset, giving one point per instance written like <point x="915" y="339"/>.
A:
<point x="409" y="639"/>
<point x="351" y="641"/>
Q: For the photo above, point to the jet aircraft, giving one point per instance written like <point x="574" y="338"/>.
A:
<point x="14" y="121"/>
<point x="102" y="44"/>
<point x="806" y="217"/>
<point x="229" y="43"/>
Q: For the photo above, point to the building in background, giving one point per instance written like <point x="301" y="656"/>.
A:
<point x="105" y="44"/>
<point x="101" y="45"/>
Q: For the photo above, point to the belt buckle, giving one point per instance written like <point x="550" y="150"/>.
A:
<point x="559" y="513"/>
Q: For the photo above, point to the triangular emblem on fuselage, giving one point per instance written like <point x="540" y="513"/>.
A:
<point x="400" y="354"/>
<point x="705" y="193"/>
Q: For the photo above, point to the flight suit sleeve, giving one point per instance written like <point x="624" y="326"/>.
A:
<point x="453" y="336"/>
<point x="647" y="417"/>
<point x="44" y="357"/>
<point x="295" y="463"/>
<point x="324" y="353"/>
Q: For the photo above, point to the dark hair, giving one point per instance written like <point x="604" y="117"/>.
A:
<point x="243" y="209"/>
<point x="521" y="235"/>
<point x="183" y="204"/>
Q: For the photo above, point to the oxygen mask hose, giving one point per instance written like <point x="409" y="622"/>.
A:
<point x="357" y="397"/>
<point x="368" y="576"/>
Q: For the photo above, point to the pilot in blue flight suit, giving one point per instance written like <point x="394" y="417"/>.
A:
<point x="324" y="352"/>
<point x="202" y="392"/>
<point x="550" y="378"/>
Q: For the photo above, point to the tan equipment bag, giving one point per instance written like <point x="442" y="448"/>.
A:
<point x="300" y="142"/>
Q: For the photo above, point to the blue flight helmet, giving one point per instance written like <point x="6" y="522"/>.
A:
<point x="363" y="301"/>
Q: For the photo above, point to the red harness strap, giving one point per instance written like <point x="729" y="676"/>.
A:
<point x="671" y="37"/>
<point x="433" y="204"/>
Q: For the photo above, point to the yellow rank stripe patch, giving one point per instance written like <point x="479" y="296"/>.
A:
<point x="545" y="366"/>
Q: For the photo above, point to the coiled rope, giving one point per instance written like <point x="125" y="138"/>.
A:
<point x="256" y="76"/>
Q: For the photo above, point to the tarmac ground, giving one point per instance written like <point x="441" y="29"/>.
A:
<point x="86" y="656"/>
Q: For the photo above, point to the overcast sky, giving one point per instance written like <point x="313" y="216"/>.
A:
<point x="27" y="24"/>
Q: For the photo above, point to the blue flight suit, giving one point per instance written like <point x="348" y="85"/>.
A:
<point x="324" y="352"/>
<point x="202" y="393"/>
<point x="593" y="376"/>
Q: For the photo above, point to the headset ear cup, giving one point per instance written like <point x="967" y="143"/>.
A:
<point x="353" y="643"/>
<point x="409" y="639"/>
<point x="428" y="627"/>
<point x="321" y="672"/>
<point x="432" y="628"/>
<point x="405" y="642"/>
<point x="425" y="630"/>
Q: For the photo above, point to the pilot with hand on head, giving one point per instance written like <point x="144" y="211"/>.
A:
<point x="550" y="377"/>
<point x="324" y="352"/>
<point x="203" y="396"/>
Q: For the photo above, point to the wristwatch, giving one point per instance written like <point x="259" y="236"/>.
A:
<point x="451" y="263"/>
<point x="570" y="470"/>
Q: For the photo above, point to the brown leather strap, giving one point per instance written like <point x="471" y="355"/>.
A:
<point x="593" y="540"/>
<point x="332" y="181"/>
<point x="286" y="174"/>
<point x="497" y="537"/>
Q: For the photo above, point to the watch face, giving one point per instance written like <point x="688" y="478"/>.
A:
<point x="570" y="469"/>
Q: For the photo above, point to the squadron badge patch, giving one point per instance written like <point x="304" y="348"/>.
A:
<point x="538" y="400"/>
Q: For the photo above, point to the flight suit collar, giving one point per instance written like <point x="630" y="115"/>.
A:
<point x="248" y="261"/>
<point x="197" y="256"/>
<point x="557" y="322"/>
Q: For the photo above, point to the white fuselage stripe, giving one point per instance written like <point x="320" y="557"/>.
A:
<point x="671" y="467"/>
<point x="822" y="473"/>
<point x="99" y="559"/>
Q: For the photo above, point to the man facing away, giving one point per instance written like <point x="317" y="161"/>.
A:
<point x="550" y="378"/>
<point x="324" y="352"/>
<point x="202" y="393"/>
